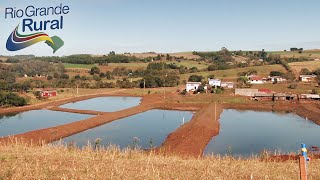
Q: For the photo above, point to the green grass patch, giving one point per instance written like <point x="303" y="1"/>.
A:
<point x="78" y="66"/>
<point x="190" y="64"/>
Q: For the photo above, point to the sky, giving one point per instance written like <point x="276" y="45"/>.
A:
<point x="101" y="26"/>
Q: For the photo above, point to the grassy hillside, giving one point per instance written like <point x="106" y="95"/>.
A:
<point x="311" y="65"/>
<point x="307" y="53"/>
<point x="58" y="162"/>
<point x="232" y="74"/>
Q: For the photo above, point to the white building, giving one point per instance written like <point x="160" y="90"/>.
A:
<point x="256" y="80"/>
<point x="192" y="86"/>
<point x="276" y="78"/>
<point x="214" y="82"/>
<point x="307" y="78"/>
<point x="228" y="85"/>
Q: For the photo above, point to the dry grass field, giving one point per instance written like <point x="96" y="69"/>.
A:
<point x="314" y="54"/>
<point x="311" y="65"/>
<point x="232" y="74"/>
<point x="62" y="162"/>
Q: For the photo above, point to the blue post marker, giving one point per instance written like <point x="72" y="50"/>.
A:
<point x="303" y="159"/>
<point x="304" y="152"/>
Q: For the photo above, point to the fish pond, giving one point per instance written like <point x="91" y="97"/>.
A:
<point x="105" y="104"/>
<point x="246" y="133"/>
<point x="11" y="124"/>
<point x="145" y="130"/>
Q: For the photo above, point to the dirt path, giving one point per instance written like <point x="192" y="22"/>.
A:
<point x="192" y="138"/>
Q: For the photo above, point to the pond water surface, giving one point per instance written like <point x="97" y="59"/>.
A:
<point x="11" y="124"/>
<point x="105" y="104"/>
<point x="246" y="133"/>
<point x="144" y="130"/>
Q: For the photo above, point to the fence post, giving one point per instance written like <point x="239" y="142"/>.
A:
<point x="303" y="158"/>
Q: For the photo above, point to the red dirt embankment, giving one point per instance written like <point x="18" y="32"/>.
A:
<point x="191" y="138"/>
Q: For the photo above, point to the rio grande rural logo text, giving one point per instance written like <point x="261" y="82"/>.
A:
<point x="17" y="41"/>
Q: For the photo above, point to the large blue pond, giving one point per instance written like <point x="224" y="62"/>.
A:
<point x="105" y="104"/>
<point x="144" y="130"/>
<point x="246" y="133"/>
<point x="11" y="124"/>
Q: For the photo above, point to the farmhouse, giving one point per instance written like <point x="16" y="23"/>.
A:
<point x="309" y="97"/>
<point x="48" y="92"/>
<point x="214" y="82"/>
<point x="256" y="80"/>
<point x="276" y="79"/>
<point x="307" y="78"/>
<point x="192" y="86"/>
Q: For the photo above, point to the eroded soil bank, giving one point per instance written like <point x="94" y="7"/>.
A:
<point x="192" y="138"/>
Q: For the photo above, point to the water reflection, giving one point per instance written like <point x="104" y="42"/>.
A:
<point x="245" y="133"/>
<point x="105" y="104"/>
<point x="151" y="127"/>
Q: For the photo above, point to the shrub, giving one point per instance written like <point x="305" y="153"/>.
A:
<point x="293" y="86"/>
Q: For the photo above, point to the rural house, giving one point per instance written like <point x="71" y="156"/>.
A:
<point x="214" y="82"/>
<point x="256" y="80"/>
<point x="48" y="92"/>
<point x="276" y="79"/>
<point x="192" y="86"/>
<point x="309" y="97"/>
<point x="307" y="78"/>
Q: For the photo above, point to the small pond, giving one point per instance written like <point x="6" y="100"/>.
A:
<point x="11" y="124"/>
<point x="143" y="130"/>
<point x="105" y="104"/>
<point x="246" y="133"/>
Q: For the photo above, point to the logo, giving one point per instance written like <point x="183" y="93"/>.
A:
<point x="17" y="41"/>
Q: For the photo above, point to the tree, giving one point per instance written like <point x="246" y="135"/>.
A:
<point x="276" y="73"/>
<point x="167" y="57"/>
<point x="305" y="71"/>
<point x="94" y="70"/>
<point x="49" y="78"/>
<point x="195" y="78"/>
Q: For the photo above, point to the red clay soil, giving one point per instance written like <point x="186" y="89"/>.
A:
<point x="191" y="139"/>
<point x="188" y="140"/>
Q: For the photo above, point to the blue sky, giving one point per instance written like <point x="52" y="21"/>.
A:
<point x="100" y="26"/>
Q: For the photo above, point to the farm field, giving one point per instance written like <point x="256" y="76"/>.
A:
<point x="78" y="66"/>
<point x="307" y="54"/>
<point x="310" y="65"/>
<point x="232" y="74"/>
<point x="190" y="64"/>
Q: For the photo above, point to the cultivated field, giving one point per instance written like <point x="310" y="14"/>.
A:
<point x="315" y="54"/>
<point x="232" y="74"/>
<point x="311" y="65"/>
